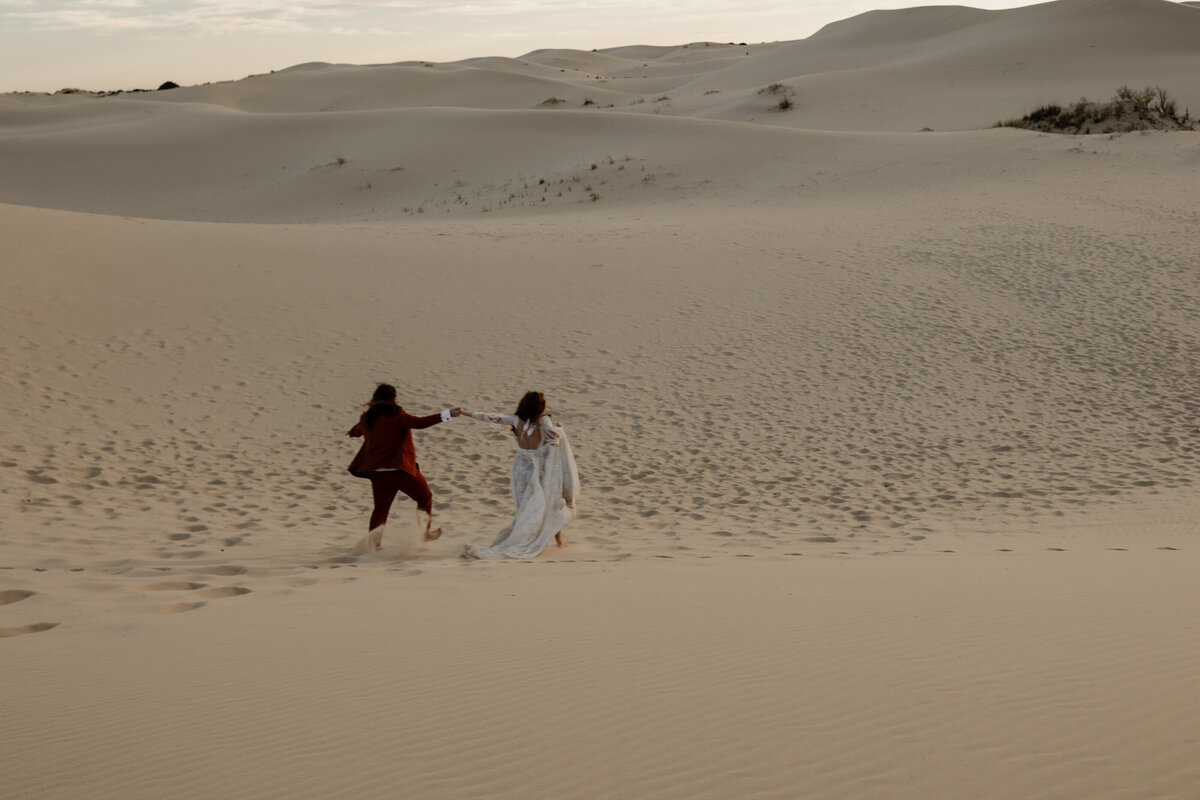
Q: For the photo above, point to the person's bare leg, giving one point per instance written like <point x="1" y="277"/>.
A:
<point x="383" y="493"/>
<point x="369" y="543"/>
<point x="431" y="533"/>
<point x="558" y="538"/>
<point x="419" y="491"/>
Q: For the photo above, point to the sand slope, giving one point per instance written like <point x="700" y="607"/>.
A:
<point x="954" y="68"/>
<point x="322" y="142"/>
<point x="860" y="361"/>
<point x="912" y="678"/>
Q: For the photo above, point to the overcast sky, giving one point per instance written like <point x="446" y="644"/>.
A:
<point x="47" y="45"/>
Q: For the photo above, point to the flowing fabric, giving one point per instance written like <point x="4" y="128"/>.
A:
<point x="545" y="486"/>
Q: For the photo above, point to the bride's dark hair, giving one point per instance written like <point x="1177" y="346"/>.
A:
<point x="532" y="406"/>
<point x="383" y="402"/>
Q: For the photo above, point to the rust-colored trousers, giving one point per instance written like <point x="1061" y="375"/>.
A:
<point x="385" y="485"/>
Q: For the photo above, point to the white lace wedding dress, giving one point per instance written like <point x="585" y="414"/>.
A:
<point x="545" y="485"/>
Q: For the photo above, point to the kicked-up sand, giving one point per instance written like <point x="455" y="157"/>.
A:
<point x="888" y="437"/>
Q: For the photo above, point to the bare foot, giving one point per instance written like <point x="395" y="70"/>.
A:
<point x="433" y="535"/>
<point x="369" y="543"/>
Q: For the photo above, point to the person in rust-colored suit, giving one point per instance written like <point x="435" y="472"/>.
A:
<point x="388" y="460"/>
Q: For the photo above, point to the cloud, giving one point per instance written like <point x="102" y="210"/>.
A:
<point x="499" y="7"/>
<point x="339" y="31"/>
<point x="86" y="18"/>
<point x="192" y="16"/>
<point x="624" y="8"/>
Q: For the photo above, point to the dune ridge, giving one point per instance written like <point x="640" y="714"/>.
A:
<point x="889" y="439"/>
<point x="323" y="142"/>
<point x="943" y="67"/>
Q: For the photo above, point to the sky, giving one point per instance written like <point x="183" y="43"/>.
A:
<point x="46" y="45"/>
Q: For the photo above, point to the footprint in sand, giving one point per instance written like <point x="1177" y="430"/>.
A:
<point x="97" y="586"/>
<point x="225" y="591"/>
<point x="178" y="608"/>
<point x="189" y="554"/>
<point x="174" y="586"/>
<point x="21" y="630"/>
<point x="224" y="570"/>
<point x="15" y="596"/>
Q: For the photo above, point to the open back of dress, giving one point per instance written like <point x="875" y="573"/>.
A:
<point x="544" y="482"/>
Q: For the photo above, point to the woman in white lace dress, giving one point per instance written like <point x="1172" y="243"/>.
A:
<point x="545" y="482"/>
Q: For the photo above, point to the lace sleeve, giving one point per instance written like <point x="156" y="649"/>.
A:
<point x="550" y="430"/>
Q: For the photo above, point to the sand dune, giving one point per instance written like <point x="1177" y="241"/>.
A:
<point x="952" y="68"/>
<point x="1026" y="356"/>
<point x="888" y="439"/>
<point x="330" y="87"/>
<point x="383" y="165"/>
<point x="947" y="677"/>
<point x="947" y="68"/>
<point x="323" y="142"/>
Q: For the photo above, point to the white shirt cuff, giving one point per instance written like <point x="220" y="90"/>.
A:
<point x="446" y="415"/>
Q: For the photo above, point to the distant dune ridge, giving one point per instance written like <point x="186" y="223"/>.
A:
<point x="255" y="147"/>
<point x="888" y="436"/>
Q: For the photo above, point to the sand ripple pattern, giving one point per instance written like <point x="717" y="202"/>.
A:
<point x="994" y="370"/>
<point x="932" y="682"/>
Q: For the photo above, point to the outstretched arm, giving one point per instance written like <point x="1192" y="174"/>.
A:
<point x="496" y="419"/>
<point x="409" y="421"/>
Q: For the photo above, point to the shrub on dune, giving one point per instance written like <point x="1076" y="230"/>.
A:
<point x="783" y="92"/>
<point x="1128" y="110"/>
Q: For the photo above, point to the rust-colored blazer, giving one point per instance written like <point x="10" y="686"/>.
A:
<point x="388" y="444"/>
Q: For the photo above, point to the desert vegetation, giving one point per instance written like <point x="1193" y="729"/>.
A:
<point x="781" y="91"/>
<point x="339" y="161"/>
<point x="1151" y="108"/>
<point x="581" y="184"/>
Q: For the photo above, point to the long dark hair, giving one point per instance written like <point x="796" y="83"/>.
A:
<point x="383" y="402"/>
<point x="532" y="406"/>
